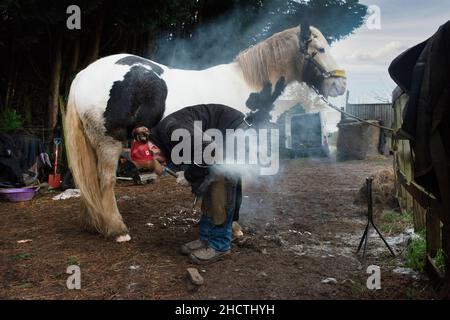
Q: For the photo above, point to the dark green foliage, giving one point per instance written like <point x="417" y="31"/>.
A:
<point x="182" y="33"/>
<point x="9" y="120"/>
<point x="245" y="23"/>
<point x="416" y="252"/>
<point x="439" y="260"/>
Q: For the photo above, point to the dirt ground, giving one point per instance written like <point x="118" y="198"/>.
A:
<point x="300" y="228"/>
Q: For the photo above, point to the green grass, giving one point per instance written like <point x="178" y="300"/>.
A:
<point x="439" y="260"/>
<point x="357" y="287"/>
<point x="22" y="256"/>
<point x="72" y="261"/>
<point x="394" y="222"/>
<point x="393" y="216"/>
<point x="416" y="252"/>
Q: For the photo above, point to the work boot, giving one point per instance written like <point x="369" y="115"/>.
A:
<point x="207" y="255"/>
<point x="187" y="248"/>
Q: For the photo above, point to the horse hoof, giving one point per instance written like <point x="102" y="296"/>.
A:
<point x="238" y="234"/>
<point x="237" y="231"/>
<point x="124" y="238"/>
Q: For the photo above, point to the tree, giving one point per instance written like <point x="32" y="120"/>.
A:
<point x="242" y="23"/>
<point x="41" y="56"/>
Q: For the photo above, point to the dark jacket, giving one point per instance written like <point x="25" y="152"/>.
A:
<point x="423" y="73"/>
<point x="212" y="116"/>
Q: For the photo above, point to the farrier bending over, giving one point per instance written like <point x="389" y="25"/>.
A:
<point x="221" y="193"/>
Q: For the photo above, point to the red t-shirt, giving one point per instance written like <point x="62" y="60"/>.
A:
<point x="140" y="152"/>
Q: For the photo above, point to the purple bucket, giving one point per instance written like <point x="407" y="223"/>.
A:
<point x="18" y="194"/>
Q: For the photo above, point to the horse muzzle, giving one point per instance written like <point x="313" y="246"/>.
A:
<point x="334" y="86"/>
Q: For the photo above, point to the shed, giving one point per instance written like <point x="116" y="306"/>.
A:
<point x="381" y="112"/>
<point x="306" y="134"/>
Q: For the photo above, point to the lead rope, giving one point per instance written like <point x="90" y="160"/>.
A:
<point x="329" y="104"/>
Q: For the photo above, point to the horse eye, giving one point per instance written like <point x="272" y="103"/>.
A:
<point x="321" y="50"/>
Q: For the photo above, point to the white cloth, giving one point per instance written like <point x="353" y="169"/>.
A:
<point x="69" y="193"/>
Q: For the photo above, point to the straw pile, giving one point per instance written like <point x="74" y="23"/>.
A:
<point x="383" y="189"/>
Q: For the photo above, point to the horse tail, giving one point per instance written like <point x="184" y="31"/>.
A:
<point x="83" y="164"/>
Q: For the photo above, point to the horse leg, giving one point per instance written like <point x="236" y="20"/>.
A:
<point x="87" y="222"/>
<point x="108" y="156"/>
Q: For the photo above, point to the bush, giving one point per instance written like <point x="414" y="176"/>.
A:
<point x="10" y="120"/>
<point x="416" y="252"/>
<point x="439" y="260"/>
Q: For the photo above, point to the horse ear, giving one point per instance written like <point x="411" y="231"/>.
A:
<point x="305" y="32"/>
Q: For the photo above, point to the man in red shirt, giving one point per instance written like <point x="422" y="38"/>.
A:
<point x="145" y="154"/>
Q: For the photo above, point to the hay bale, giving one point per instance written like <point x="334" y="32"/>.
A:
<point x="356" y="140"/>
<point x="383" y="189"/>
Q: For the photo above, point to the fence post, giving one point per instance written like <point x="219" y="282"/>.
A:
<point x="433" y="224"/>
<point x="446" y="248"/>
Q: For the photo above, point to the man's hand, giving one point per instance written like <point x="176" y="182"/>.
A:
<point x="181" y="180"/>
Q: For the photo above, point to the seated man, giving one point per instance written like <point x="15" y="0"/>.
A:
<point x="221" y="193"/>
<point x="144" y="154"/>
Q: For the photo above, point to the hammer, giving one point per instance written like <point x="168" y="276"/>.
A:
<point x="170" y="171"/>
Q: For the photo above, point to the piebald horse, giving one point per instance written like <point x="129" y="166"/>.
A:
<point x="117" y="93"/>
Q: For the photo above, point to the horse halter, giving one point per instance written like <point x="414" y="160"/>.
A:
<point x="305" y="39"/>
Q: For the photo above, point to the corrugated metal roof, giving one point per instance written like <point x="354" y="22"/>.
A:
<point x="373" y="111"/>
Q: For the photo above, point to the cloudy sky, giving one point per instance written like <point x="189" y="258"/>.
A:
<point x="366" y="54"/>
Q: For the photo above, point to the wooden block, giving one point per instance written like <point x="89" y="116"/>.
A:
<point x="195" y="277"/>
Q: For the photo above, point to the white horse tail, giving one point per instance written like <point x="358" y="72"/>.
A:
<point x="93" y="175"/>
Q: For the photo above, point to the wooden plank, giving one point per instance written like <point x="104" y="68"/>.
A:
<point x="403" y="159"/>
<point x="433" y="272"/>
<point x="424" y="198"/>
<point x="419" y="215"/>
<point x="428" y="212"/>
<point x="445" y="232"/>
<point x="433" y="224"/>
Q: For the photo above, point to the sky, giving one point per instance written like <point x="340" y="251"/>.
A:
<point x="366" y="54"/>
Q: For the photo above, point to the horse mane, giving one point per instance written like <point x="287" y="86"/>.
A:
<point x="271" y="58"/>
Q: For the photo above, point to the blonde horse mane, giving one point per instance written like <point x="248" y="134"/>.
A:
<point x="276" y="56"/>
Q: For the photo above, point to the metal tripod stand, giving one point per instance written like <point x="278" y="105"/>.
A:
<point x="370" y="222"/>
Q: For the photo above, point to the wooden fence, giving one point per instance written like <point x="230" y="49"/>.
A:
<point x="427" y="211"/>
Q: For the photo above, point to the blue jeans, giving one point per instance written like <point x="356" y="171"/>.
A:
<point x="219" y="237"/>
